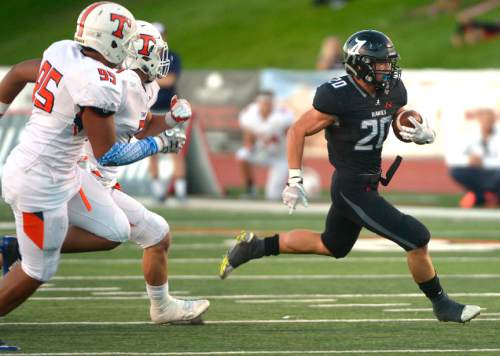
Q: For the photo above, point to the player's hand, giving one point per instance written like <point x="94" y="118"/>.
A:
<point x="421" y="132"/>
<point x="172" y="140"/>
<point x="180" y="109"/>
<point x="294" y="193"/>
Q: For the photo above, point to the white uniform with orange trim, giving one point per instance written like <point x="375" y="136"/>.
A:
<point x="147" y="228"/>
<point x="270" y="145"/>
<point x="41" y="179"/>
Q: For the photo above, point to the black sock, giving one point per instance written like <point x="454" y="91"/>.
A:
<point x="272" y="245"/>
<point x="432" y="288"/>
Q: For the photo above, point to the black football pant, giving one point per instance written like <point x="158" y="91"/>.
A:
<point x="357" y="204"/>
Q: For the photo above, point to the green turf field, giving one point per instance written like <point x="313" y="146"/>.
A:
<point x="288" y="304"/>
<point x="227" y="34"/>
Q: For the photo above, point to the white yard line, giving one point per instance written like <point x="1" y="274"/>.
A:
<point x="176" y="292"/>
<point x="362" y="295"/>
<point x="83" y="289"/>
<point x="258" y="321"/>
<point x="409" y="310"/>
<point x="271" y="301"/>
<point x="240" y="297"/>
<point x="315" y="259"/>
<point x="263" y="277"/>
<point x="263" y="352"/>
<point x="361" y="305"/>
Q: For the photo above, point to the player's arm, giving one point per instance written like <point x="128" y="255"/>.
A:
<point x="310" y="123"/>
<point x="100" y="128"/>
<point x="155" y="124"/>
<point x="15" y="80"/>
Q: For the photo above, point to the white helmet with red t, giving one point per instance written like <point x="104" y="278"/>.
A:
<point x="148" y="52"/>
<point x="106" y="27"/>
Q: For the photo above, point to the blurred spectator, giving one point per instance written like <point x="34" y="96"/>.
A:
<point x="437" y="7"/>
<point x="477" y="166"/>
<point x="330" y="55"/>
<point x="470" y="30"/>
<point x="168" y="88"/>
<point x="334" y="4"/>
<point x="264" y="144"/>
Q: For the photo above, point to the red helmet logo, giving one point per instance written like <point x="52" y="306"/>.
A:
<point x="122" y="20"/>
<point x="146" y="39"/>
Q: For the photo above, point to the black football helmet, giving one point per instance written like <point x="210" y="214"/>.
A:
<point x="365" y="48"/>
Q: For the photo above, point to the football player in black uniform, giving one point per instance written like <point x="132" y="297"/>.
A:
<point x="356" y="111"/>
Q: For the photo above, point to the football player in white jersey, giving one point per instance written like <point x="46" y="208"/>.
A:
<point x="76" y="87"/>
<point x="264" y="143"/>
<point x="147" y="62"/>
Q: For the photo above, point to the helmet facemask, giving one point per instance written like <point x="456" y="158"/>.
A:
<point x="148" y="53"/>
<point x="382" y="79"/>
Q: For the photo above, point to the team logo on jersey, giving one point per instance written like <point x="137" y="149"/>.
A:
<point x="355" y="49"/>
<point x="377" y="102"/>
<point x="388" y="105"/>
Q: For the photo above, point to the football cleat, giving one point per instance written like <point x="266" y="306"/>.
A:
<point x="10" y="252"/>
<point x="5" y="347"/>
<point x="446" y="309"/>
<point x="240" y="253"/>
<point x="179" y="311"/>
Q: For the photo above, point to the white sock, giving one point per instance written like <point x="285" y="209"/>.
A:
<point x="158" y="188"/>
<point x="158" y="295"/>
<point x="180" y="188"/>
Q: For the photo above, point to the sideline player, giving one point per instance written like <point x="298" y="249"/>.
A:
<point x="264" y="144"/>
<point x="355" y="111"/>
<point x="75" y="88"/>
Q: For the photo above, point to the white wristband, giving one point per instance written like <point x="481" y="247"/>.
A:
<point x="159" y="143"/>
<point x="169" y="120"/>
<point x="3" y="108"/>
<point x="294" y="173"/>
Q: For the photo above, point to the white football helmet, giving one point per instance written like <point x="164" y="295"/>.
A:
<point x="106" y="27"/>
<point x="148" y="52"/>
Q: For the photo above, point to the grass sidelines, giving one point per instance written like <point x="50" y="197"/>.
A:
<point x="93" y="307"/>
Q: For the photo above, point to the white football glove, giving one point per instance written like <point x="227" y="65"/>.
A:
<point x="180" y="111"/>
<point x="294" y="191"/>
<point x="420" y="134"/>
<point x="171" y="140"/>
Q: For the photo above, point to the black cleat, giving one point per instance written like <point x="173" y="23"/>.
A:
<point x="5" y="347"/>
<point x="242" y="252"/>
<point x="10" y="252"/>
<point x="446" y="309"/>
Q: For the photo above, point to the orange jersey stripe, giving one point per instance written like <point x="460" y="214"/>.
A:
<point x="81" y="24"/>
<point x="85" y="200"/>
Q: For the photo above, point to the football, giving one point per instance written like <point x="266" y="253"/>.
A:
<point x="403" y="119"/>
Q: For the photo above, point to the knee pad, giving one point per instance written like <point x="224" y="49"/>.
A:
<point x="44" y="269"/>
<point x="418" y="234"/>
<point x="120" y="230"/>
<point x="150" y="231"/>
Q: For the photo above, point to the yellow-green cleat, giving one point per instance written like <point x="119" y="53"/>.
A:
<point x="243" y="251"/>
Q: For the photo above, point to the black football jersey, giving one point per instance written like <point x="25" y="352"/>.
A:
<point x="355" y="142"/>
